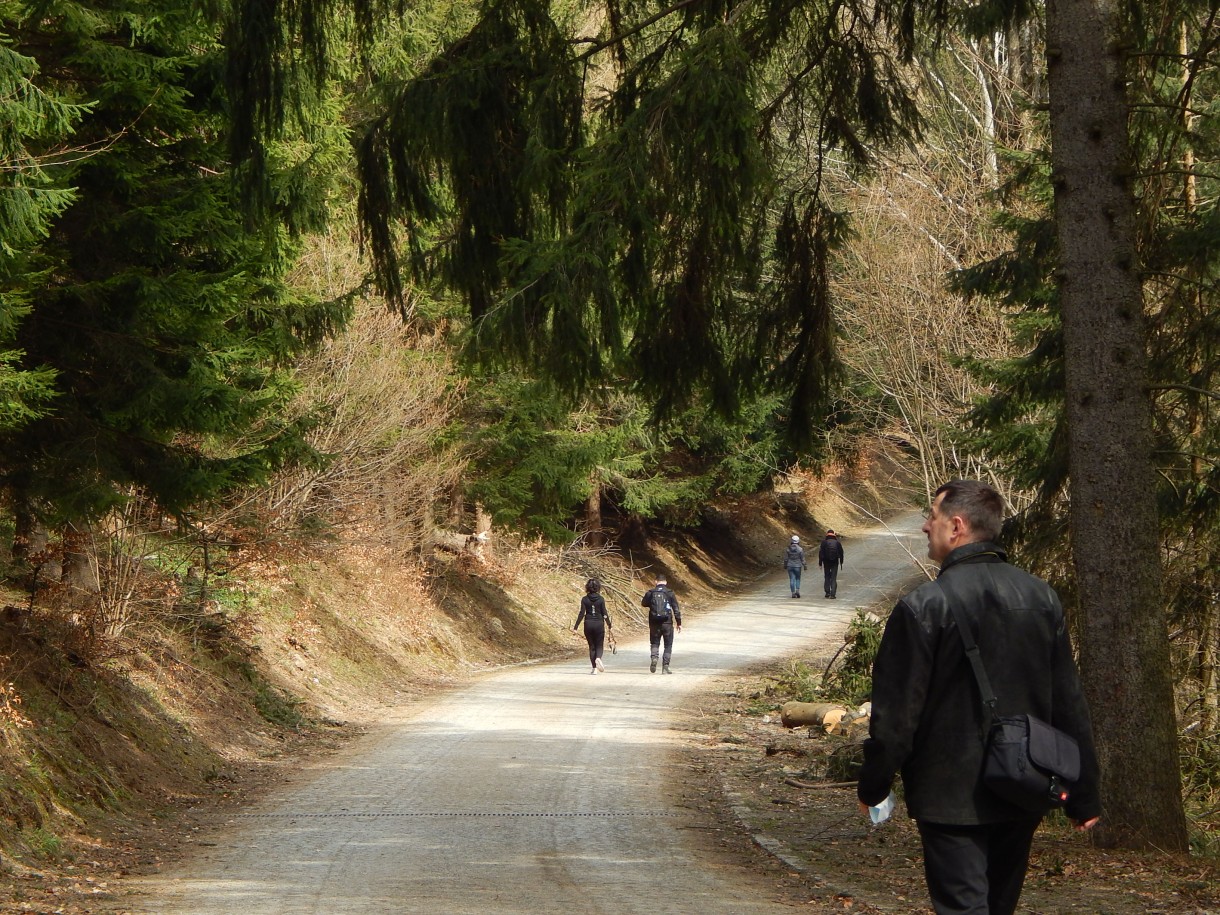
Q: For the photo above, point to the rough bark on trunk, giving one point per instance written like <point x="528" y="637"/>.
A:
<point x="79" y="570"/>
<point x="1115" y="543"/>
<point x="457" y="507"/>
<point x="30" y="536"/>
<point x="594" y="533"/>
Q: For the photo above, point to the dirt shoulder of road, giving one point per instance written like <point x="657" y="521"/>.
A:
<point x="779" y="796"/>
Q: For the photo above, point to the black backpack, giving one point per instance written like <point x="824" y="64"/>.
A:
<point x="659" y="609"/>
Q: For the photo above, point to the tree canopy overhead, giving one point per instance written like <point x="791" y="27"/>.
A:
<point x="620" y="189"/>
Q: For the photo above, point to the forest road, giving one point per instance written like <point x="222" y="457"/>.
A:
<point x="534" y="790"/>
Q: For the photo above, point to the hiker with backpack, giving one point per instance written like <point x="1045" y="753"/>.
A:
<point x="597" y="620"/>
<point x="663" y="618"/>
<point x="830" y="558"/>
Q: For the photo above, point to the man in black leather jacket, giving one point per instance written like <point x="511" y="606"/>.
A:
<point x="927" y="717"/>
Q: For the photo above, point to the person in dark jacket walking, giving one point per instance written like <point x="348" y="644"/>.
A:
<point x="597" y="620"/>
<point x="663" y="617"/>
<point x="830" y="558"/>
<point x="927" y="717"/>
<point x="794" y="562"/>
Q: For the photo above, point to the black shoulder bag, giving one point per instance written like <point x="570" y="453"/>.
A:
<point x="1026" y="761"/>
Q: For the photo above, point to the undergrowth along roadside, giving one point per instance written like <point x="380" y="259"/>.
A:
<point x="847" y="677"/>
<point x="221" y="677"/>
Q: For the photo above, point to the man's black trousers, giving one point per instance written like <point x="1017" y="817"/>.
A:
<point x="832" y="579"/>
<point x="658" y="632"/>
<point x="976" y="870"/>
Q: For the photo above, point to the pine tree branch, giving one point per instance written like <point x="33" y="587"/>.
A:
<point x="1187" y="388"/>
<point x="634" y="30"/>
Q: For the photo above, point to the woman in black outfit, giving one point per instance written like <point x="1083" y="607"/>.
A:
<point x="597" y="621"/>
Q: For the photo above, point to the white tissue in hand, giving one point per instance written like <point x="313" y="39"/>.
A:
<point x="882" y="811"/>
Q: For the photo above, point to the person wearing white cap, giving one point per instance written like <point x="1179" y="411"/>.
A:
<point x="794" y="562"/>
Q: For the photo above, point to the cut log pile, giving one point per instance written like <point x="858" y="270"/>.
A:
<point x="827" y="718"/>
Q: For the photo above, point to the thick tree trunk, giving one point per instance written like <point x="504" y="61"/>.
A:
<point x="79" y="569"/>
<point x="1207" y="666"/>
<point x="80" y="572"/>
<point x="457" y="507"/>
<point x="482" y="521"/>
<point x="594" y="532"/>
<point x="30" y="536"/>
<point x="1124" y="643"/>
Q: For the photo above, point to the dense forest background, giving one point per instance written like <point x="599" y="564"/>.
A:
<point x="419" y="276"/>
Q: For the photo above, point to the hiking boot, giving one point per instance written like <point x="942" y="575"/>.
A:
<point x="652" y="668"/>
<point x="665" y="669"/>
<point x="797" y="594"/>
<point x="600" y="665"/>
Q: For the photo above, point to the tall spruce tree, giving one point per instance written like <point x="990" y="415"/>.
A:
<point x="620" y="179"/>
<point x="1115" y="533"/>
<point x="30" y="197"/>
<point x="1171" y="80"/>
<point x="164" y="314"/>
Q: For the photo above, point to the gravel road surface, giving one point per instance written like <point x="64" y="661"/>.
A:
<point x="540" y="789"/>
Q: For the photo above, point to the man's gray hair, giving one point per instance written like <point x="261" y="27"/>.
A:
<point x="978" y="503"/>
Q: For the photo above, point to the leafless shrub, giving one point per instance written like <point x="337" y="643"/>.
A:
<point x="12" y="718"/>
<point x="904" y="333"/>
<point x="381" y="397"/>
<point x="125" y="555"/>
<point x="921" y="214"/>
<point x="603" y="562"/>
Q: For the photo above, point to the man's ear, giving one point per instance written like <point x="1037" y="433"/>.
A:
<point x="961" y="529"/>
